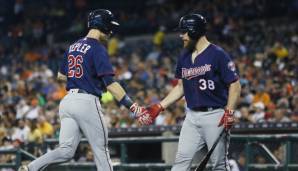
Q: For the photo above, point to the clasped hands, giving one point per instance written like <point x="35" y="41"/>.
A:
<point x="145" y="115"/>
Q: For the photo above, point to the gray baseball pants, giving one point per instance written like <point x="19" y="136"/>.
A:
<point x="200" y="129"/>
<point x="79" y="113"/>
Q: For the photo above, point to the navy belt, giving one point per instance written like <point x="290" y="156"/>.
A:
<point x="85" y="92"/>
<point x="204" y="109"/>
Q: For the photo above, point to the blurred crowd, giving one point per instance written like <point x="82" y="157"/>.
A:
<point x="262" y="44"/>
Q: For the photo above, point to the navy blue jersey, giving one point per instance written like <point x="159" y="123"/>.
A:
<point x="84" y="62"/>
<point x="206" y="81"/>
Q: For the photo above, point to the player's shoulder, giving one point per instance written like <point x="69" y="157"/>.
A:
<point x="95" y="44"/>
<point x="88" y="40"/>
<point x="219" y="51"/>
<point x="217" y="48"/>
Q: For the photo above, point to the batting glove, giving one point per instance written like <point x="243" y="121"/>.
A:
<point x="227" y="119"/>
<point x="136" y="110"/>
<point x="141" y="114"/>
<point x="145" y="119"/>
<point x="154" y="110"/>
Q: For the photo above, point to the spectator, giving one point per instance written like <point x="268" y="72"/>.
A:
<point x="22" y="109"/>
<point x="158" y="38"/>
<point x="242" y="114"/>
<point x="45" y="127"/>
<point x="279" y="115"/>
<point x="262" y="96"/>
<point x="6" y="158"/>
<point x="257" y="113"/>
<point x="239" y="164"/>
<point x="33" y="112"/>
<point x="280" y="51"/>
<point x="113" y="46"/>
<point x="21" y="132"/>
<point x="280" y="153"/>
<point x="35" y="138"/>
<point x="35" y="134"/>
<point x="260" y="159"/>
<point x="294" y="113"/>
<point x="89" y="156"/>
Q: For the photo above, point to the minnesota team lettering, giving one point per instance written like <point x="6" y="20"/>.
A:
<point x="189" y="73"/>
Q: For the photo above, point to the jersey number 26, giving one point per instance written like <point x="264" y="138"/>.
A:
<point x="75" y="68"/>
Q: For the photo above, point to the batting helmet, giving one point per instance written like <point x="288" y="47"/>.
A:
<point x="194" y="24"/>
<point x="102" y="20"/>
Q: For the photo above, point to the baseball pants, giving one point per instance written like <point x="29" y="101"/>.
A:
<point x="200" y="129"/>
<point x="79" y="113"/>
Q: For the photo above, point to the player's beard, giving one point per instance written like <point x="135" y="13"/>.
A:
<point x="190" y="45"/>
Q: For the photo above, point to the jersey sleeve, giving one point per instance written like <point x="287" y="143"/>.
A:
<point x="227" y="69"/>
<point x="102" y="63"/>
<point x="63" y="65"/>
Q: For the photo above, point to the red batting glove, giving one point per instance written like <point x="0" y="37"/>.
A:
<point x="137" y="110"/>
<point x="145" y="119"/>
<point x="154" y="110"/>
<point x="141" y="114"/>
<point x="227" y="119"/>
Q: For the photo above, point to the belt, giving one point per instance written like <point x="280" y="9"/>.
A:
<point x="77" y="90"/>
<point x="204" y="109"/>
<point x="83" y="91"/>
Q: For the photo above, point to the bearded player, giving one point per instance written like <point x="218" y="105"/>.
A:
<point x="209" y="82"/>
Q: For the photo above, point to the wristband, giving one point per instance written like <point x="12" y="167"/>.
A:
<point x="126" y="101"/>
<point x="160" y="106"/>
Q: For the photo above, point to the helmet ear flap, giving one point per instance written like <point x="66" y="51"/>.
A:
<point x="192" y="34"/>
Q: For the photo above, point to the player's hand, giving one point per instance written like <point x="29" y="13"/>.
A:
<point x="141" y="114"/>
<point x="154" y="110"/>
<point x="227" y="119"/>
<point x="145" y="119"/>
<point x="137" y="110"/>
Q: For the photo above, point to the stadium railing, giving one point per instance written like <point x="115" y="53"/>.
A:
<point x="250" y="141"/>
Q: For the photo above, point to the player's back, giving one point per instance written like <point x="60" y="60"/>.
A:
<point x="83" y="64"/>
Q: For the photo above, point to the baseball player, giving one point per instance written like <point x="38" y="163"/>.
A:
<point x="209" y="82"/>
<point x="88" y="72"/>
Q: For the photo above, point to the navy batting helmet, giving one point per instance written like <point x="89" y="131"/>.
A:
<point x="194" y="24"/>
<point x="102" y="20"/>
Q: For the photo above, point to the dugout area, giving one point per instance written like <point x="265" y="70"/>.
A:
<point x="260" y="152"/>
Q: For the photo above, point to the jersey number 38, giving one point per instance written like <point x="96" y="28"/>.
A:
<point x="75" y="68"/>
<point x="204" y="84"/>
